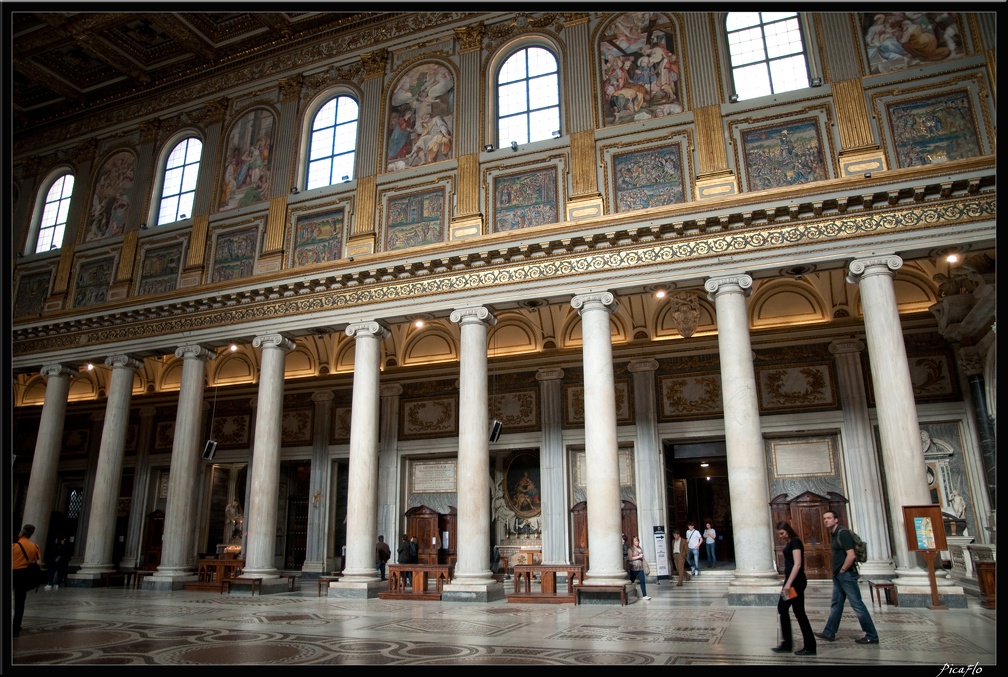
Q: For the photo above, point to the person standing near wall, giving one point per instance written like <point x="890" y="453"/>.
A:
<point x="403" y="557"/>
<point x="23" y="552"/>
<point x="793" y="593"/>
<point x="710" y="541"/>
<point x="693" y="540"/>
<point x="383" y="553"/>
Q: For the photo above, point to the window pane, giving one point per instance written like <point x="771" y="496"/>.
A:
<point x="195" y="151"/>
<point x="177" y="156"/>
<point x="543" y="91"/>
<point x="738" y="20"/>
<point x="342" y="166"/>
<point x="512" y="98"/>
<point x="346" y="110"/>
<point x="769" y="17"/>
<point x="172" y="181"/>
<point x="326" y="115"/>
<point x="169" y="210"/>
<point x="543" y="123"/>
<point x="62" y="211"/>
<point x="783" y="38"/>
<point x="318" y="173"/>
<point x="789" y="74"/>
<point x="189" y="175"/>
<point x="321" y="143"/>
<point x="514" y="128"/>
<point x="185" y="203"/>
<point x="49" y="213"/>
<point x="68" y="184"/>
<point x="346" y="137"/>
<point x="540" y="61"/>
<point x="513" y="69"/>
<point x="746" y="46"/>
<point x="752" y="81"/>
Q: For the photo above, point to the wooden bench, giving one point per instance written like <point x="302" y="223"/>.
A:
<point x="875" y="589"/>
<point x="547" y="574"/>
<point x="291" y="580"/>
<point x="123" y="577"/>
<point x="253" y="583"/>
<point x="139" y="577"/>
<point x="581" y="587"/>
<point x="420" y="576"/>
<point x="324" y="581"/>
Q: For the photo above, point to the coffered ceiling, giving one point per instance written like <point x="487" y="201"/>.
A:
<point x="66" y="63"/>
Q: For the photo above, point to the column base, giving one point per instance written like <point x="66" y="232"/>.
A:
<point x="361" y="588"/>
<point x="474" y="591"/>
<point x="169" y="581"/>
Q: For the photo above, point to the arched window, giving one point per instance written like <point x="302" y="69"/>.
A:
<point x="179" y="186"/>
<point x="528" y="97"/>
<point x="52" y="224"/>
<point x="767" y="52"/>
<point x="333" y="145"/>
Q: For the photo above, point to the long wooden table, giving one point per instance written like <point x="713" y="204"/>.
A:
<point x="216" y="570"/>
<point x="547" y="573"/>
<point x="420" y="576"/>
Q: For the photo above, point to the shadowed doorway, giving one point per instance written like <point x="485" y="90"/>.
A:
<point x="697" y="489"/>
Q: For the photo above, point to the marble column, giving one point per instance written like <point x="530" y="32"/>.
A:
<point x="318" y="506"/>
<point x="552" y="469"/>
<point x="132" y="557"/>
<point x="747" y="471"/>
<point x="899" y="429"/>
<point x="261" y="518"/>
<point x="40" y="497"/>
<point x="90" y="474"/>
<point x="362" y="490"/>
<point x="649" y="471"/>
<point x="605" y="516"/>
<point x="176" y="565"/>
<point x="862" y="475"/>
<point x="108" y="477"/>
<point x="473" y="579"/>
<point x="388" y="464"/>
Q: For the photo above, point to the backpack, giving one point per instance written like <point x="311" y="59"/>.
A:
<point x="860" y="547"/>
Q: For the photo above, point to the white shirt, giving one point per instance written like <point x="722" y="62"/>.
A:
<point x="709" y="535"/>
<point x="693" y="539"/>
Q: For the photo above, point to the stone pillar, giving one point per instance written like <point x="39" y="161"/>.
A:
<point x="648" y="458"/>
<point x="972" y="366"/>
<point x="899" y="429"/>
<point x="605" y="516"/>
<point x="359" y="573"/>
<point x="177" y="543"/>
<point x="40" y="497"/>
<point x="388" y="467"/>
<point x="132" y="557"/>
<point x="473" y="579"/>
<point x="318" y="508"/>
<point x="108" y="477"/>
<point x="260" y="520"/>
<point x="555" y="528"/>
<point x="91" y="472"/>
<point x="862" y="475"/>
<point x="755" y="568"/>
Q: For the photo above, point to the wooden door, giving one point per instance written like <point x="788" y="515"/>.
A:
<point x="152" y="540"/>
<point x="422" y="522"/>
<point x="579" y="534"/>
<point x="448" y="523"/>
<point x="804" y="513"/>
<point x="629" y="523"/>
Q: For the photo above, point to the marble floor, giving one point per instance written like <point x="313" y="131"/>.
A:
<point x="688" y="625"/>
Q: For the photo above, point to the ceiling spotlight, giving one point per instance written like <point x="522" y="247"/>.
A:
<point x="816" y="82"/>
<point x="488" y="148"/>
<point x="556" y="134"/>
<point x="345" y="178"/>
<point x="233" y="347"/>
<point x="952" y="258"/>
<point x="867" y="175"/>
<point x="90" y="367"/>
<point x="705" y="464"/>
<point x="660" y="294"/>
<point x="418" y="323"/>
<point x="514" y="145"/>
<point x="733" y="98"/>
<point x="294" y="190"/>
<point x="143" y="226"/>
<point x="182" y="216"/>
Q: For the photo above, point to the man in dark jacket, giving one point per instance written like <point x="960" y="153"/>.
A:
<point x="403" y="556"/>
<point x="383" y="553"/>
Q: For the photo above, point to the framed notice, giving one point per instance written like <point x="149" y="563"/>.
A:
<point x="925" y="529"/>
<point x="433" y="477"/>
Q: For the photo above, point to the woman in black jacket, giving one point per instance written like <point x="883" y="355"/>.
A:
<point x="793" y="592"/>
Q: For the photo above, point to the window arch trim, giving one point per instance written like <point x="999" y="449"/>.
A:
<point x="493" y="69"/>
<point x="300" y="181"/>
<point x="167" y="148"/>
<point x="41" y="199"/>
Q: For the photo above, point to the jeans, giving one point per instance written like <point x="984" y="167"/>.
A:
<point x="380" y="566"/>
<point x="639" y="576"/>
<point x="710" y="554"/>
<point x="693" y="556"/>
<point x="845" y="586"/>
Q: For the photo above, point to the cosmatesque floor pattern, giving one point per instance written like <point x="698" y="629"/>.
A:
<point x="688" y="625"/>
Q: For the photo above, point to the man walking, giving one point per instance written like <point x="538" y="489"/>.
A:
<point x="845" y="584"/>
<point x="678" y="550"/>
<point x="383" y="553"/>
<point x="23" y="553"/>
<point x="693" y="540"/>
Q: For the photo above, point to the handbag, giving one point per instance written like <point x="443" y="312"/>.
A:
<point x="647" y="569"/>
<point x="33" y="576"/>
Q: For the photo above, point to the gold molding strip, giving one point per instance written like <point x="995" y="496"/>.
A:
<point x="127" y="256"/>
<point x="710" y="140"/>
<point x="468" y="185"/>
<point x="364" y="213"/>
<point x="853" y="122"/>
<point x="584" y="179"/>
<point x="197" y="241"/>
<point x="276" y="225"/>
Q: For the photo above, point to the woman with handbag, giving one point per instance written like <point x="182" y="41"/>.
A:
<point x="638" y="565"/>
<point x="793" y="593"/>
<point x="24" y="553"/>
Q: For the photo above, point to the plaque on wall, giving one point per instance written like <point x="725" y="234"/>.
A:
<point x="803" y="458"/>
<point x="625" y="469"/>
<point x="432" y="477"/>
